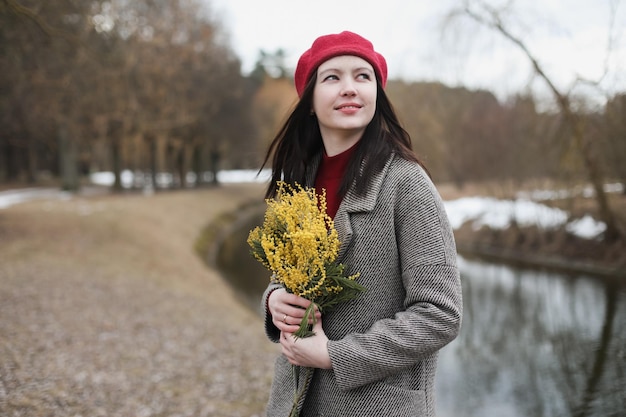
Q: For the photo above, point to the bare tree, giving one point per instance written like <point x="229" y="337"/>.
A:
<point x="79" y="74"/>
<point x="490" y="17"/>
<point x="48" y="67"/>
<point x="615" y="136"/>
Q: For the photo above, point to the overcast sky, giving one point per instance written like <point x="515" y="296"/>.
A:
<point x="569" y="36"/>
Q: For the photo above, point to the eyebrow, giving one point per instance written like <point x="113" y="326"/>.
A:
<point x="333" y="69"/>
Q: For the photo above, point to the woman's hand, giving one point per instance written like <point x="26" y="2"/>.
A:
<point x="310" y="351"/>
<point x="287" y="310"/>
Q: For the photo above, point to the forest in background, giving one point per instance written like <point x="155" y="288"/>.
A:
<point x="153" y="86"/>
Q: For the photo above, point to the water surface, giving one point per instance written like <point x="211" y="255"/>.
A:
<point x="535" y="343"/>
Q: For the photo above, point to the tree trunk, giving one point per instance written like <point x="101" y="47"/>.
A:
<point x="11" y="154"/>
<point x="5" y="160"/>
<point x="115" y="136"/>
<point x="68" y="167"/>
<point x="152" y="155"/>
<point x="215" y="158"/>
<point x="584" y="145"/>
<point x="196" y="161"/>
<point x="117" y="164"/>
<point x="31" y="172"/>
<point x="180" y="166"/>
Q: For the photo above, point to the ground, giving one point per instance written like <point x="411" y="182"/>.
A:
<point x="106" y="310"/>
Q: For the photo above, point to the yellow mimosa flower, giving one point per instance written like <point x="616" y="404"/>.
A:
<point x="299" y="244"/>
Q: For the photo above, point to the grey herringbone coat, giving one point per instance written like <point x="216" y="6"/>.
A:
<point x="383" y="345"/>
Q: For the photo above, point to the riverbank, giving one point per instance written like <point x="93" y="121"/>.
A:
<point x="106" y="310"/>
<point x="554" y="248"/>
<point x="551" y="250"/>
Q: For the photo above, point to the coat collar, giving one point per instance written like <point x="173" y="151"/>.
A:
<point x="351" y="203"/>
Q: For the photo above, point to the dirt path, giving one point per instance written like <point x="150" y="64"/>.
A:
<point x="105" y="310"/>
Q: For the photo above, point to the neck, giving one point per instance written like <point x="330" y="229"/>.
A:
<point x="338" y="142"/>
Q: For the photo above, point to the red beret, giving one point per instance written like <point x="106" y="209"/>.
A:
<point x="330" y="46"/>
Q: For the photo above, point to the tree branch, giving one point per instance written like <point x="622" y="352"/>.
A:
<point x="496" y="23"/>
<point x="26" y="13"/>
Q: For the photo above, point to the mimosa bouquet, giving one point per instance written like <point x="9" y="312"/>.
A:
<point x="298" y="244"/>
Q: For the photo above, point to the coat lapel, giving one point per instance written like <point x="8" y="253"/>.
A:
<point x="353" y="203"/>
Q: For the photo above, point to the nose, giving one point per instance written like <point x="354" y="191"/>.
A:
<point x="348" y="89"/>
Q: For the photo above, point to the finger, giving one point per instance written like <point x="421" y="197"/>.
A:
<point x="285" y="327"/>
<point x="286" y="319"/>
<point x="317" y="327"/>
<point x="294" y="314"/>
<point x="295" y="300"/>
<point x="286" y="342"/>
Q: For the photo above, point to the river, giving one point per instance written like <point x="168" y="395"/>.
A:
<point x="533" y="343"/>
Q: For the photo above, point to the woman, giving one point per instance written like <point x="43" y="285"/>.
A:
<point x="375" y="355"/>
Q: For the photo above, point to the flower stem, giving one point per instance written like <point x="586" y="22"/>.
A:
<point x="305" y="327"/>
<point x="299" y="393"/>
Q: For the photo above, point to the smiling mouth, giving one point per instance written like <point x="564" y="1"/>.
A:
<point x="348" y="106"/>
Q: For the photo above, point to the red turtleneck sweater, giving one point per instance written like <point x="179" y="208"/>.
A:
<point x="329" y="177"/>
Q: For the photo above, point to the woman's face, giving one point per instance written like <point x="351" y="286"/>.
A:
<point x="344" y="98"/>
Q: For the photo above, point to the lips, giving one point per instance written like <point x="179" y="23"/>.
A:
<point x="349" y="106"/>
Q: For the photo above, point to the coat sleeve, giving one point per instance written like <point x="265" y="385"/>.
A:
<point x="431" y="313"/>
<point x="271" y="331"/>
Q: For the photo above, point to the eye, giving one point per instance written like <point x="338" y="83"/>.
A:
<point x="364" y="76"/>
<point x="331" y="77"/>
